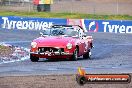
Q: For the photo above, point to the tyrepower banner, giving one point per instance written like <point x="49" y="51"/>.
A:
<point x="79" y="22"/>
<point x="14" y="22"/>
<point x="112" y="26"/>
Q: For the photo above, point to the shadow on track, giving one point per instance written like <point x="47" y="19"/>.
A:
<point x="60" y="60"/>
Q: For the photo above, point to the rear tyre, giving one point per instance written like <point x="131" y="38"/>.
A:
<point x="75" y="55"/>
<point x="87" y="55"/>
<point x="33" y="58"/>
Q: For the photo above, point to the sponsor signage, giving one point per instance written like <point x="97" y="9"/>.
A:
<point x="36" y="2"/>
<point x="48" y="1"/>
<point x="13" y="22"/>
<point x="79" y="22"/>
<point x="111" y="26"/>
<point x="82" y="78"/>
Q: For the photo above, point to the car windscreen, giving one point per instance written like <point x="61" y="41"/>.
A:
<point x="61" y="31"/>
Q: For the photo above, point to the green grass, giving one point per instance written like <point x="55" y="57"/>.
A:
<point x="66" y="15"/>
<point x="0" y="46"/>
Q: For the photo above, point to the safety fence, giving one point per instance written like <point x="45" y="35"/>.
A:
<point x="24" y="23"/>
<point x="109" y="7"/>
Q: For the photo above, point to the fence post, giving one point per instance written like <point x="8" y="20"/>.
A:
<point x="117" y="7"/>
<point x="71" y="6"/>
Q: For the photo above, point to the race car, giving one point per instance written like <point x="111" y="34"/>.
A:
<point x="61" y="41"/>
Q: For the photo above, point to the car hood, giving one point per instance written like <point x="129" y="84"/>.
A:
<point x="54" y="41"/>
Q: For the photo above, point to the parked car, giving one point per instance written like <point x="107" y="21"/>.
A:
<point x="61" y="41"/>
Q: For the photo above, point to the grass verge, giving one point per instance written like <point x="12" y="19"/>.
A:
<point x="5" y="51"/>
<point x="65" y="15"/>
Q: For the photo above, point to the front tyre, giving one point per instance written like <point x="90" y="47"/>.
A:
<point x="75" y="55"/>
<point x="34" y="58"/>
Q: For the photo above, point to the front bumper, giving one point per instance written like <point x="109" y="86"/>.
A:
<point x="52" y="54"/>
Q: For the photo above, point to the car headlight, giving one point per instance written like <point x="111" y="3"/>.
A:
<point x="33" y="44"/>
<point x="69" y="46"/>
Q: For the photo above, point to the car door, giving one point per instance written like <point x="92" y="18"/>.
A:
<point x="82" y="42"/>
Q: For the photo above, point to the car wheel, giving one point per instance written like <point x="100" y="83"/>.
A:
<point x="87" y="55"/>
<point x="33" y="58"/>
<point x="75" y="55"/>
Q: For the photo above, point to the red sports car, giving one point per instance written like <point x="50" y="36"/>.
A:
<point x="61" y="41"/>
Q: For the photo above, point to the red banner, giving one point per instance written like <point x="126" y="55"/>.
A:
<point x="35" y="2"/>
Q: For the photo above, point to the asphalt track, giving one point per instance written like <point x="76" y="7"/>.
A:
<point x="112" y="54"/>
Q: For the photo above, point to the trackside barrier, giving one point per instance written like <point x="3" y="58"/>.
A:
<point x="112" y="26"/>
<point x="14" y="22"/>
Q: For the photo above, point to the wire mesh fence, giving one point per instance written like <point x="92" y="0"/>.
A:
<point x="109" y="7"/>
<point x="16" y="5"/>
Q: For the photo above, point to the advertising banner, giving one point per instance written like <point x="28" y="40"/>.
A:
<point x="14" y="22"/>
<point x="48" y="1"/>
<point x="79" y="22"/>
<point x="112" y="26"/>
<point x="35" y="2"/>
<point x="41" y="1"/>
